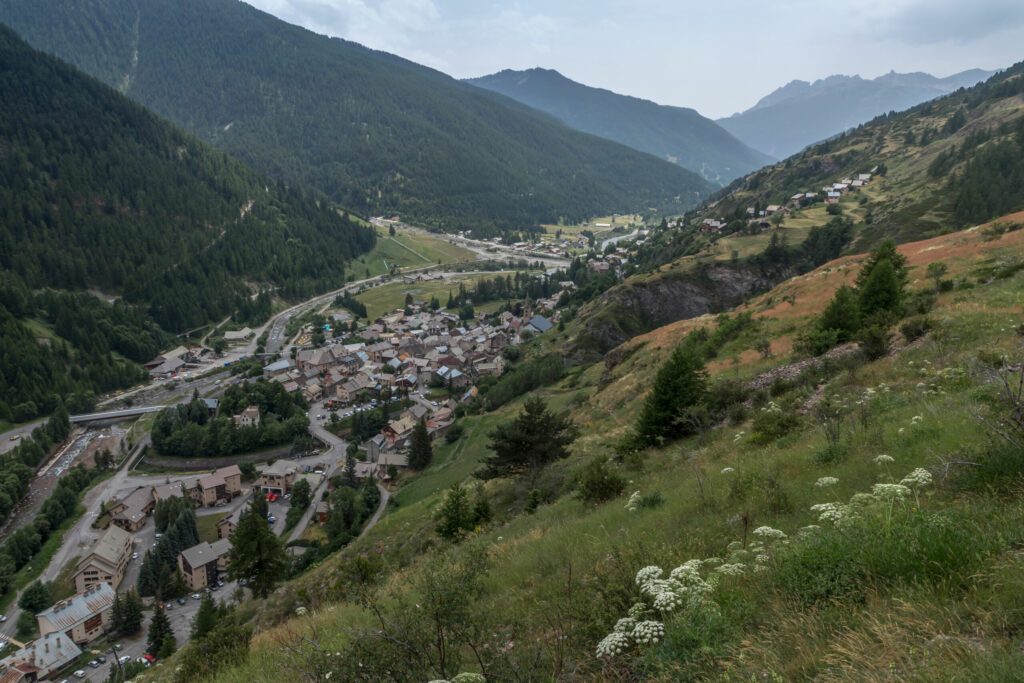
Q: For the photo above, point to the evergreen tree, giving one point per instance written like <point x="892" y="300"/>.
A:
<point x="256" y="553"/>
<point x="534" y="439"/>
<point x="882" y="291"/>
<point x="842" y="314"/>
<point x="159" y="631"/>
<point x="131" y="605"/>
<point x="681" y="383"/>
<point x="886" y="251"/>
<point x="455" y="517"/>
<point x="117" y="615"/>
<point x="205" y="619"/>
<point x="421" y="452"/>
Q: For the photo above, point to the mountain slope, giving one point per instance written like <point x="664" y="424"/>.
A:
<point x="374" y="132"/>
<point x="529" y="595"/>
<point x="98" y="193"/>
<point x="674" y="133"/>
<point x="801" y="113"/>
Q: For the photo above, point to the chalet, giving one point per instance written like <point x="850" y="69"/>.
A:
<point x="250" y="417"/>
<point x="277" y="367"/>
<point x="201" y="564"/>
<point x="106" y="561"/>
<point x="323" y="511"/>
<point x="83" y="617"/>
<point x="832" y="197"/>
<point x="277" y="478"/>
<point x="130" y="513"/>
<point x="539" y="324"/>
<point x="40" y="660"/>
<point x="220" y="486"/>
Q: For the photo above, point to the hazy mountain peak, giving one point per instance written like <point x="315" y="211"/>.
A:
<point x="677" y="134"/>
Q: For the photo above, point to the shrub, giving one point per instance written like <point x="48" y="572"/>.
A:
<point x="915" y="328"/>
<point x="772" y="422"/>
<point x="874" y="341"/>
<point x="597" y="482"/>
<point x="816" y="341"/>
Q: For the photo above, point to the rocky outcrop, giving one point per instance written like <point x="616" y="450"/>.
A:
<point x="638" y="306"/>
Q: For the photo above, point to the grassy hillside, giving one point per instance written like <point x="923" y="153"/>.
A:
<point x="919" y="587"/>
<point x="372" y="131"/>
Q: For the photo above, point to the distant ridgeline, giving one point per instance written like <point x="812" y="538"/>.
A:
<point x="97" y="193"/>
<point x="373" y="132"/>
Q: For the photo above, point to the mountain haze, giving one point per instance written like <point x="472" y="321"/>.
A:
<point x="801" y="113"/>
<point x="372" y="131"/>
<point x="677" y="134"/>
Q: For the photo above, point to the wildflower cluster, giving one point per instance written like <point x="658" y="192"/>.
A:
<point x="633" y="504"/>
<point x="935" y="381"/>
<point x="883" y="494"/>
<point x="464" y="677"/>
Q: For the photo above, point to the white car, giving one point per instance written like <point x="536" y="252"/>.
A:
<point x="124" y="659"/>
<point x="79" y="674"/>
<point x="3" y="618"/>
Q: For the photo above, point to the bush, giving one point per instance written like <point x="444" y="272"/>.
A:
<point x="915" y="328"/>
<point x="597" y="482"/>
<point x="454" y="433"/>
<point x="874" y="341"/>
<point x="774" y="421"/>
<point x="815" y="342"/>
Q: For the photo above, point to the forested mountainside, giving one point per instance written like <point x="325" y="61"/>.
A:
<point x="677" y="134"/>
<point x="801" y="113"/>
<point x="98" y="193"/>
<point x="372" y="131"/>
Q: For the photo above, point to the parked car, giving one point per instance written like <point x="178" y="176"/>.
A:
<point x="135" y="556"/>
<point x="181" y="601"/>
<point x="3" y="618"/>
<point x="220" y="583"/>
<point x="80" y="674"/>
<point x="124" y="660"/>
<point x="197" y="596"/>
<point x="94" y="664"/>
<point x="118" y="646"/>
<point x="149" y="658"/>
<point x="102" y="659"/>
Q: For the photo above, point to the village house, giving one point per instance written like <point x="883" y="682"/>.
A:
<point x="106" y="561"/>
<point x="40" y="659"/>
<point x="226" y="526"/>
<point x="83" y="617"/>
<point x="131" y="512"/>
<point x="250" y="417"/>
<point x="220" y="486"/>
<point x="201" y="564"/>
<point x="277" y="478"/>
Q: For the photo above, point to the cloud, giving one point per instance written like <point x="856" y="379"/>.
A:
<point x="929" y="22"/>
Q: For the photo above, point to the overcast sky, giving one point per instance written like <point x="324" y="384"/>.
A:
<point x="718" y="56"/>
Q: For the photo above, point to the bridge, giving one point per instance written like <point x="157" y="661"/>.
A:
<point x="114" y="414"/>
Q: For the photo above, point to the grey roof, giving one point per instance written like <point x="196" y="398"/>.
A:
<point x="205" y="553"/>
<point x="111" y="547"/>
<point x="540" y="323"/>
<point x="47" y="653"/>
<point x="278" y="366"/>
<point x="67" y="614"/>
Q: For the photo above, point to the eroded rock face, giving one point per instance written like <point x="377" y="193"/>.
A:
<point x="633" y="308"/>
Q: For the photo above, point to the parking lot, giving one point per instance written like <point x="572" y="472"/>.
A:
<point x="180" y="616"/>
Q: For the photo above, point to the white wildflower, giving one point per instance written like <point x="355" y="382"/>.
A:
<point x="301" y="611"/>
<point x="648" y="574"/>
<point x="667" y="601"/>
<point x="824" y="482"/>
<point x="649" y="632"/>
<point x="732" y="569"/>
<point x="884" y="459"/>
<point x="762" y="559"/>
<point x="624" y="625"/>
<point x="768" y="533"/>
<point x="919" y="478"/>
<point x="633" y="504"/>
<point x="686" y="570"/>
<point x="728" y="470"/>
<point x="613" y="644"/>
<point x="862" y="500"/>
<point x="637" y="610"/>
<point x="809" y="529"/>
<point x="890" y="491"/>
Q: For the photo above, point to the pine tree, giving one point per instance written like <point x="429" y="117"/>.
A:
<point x="882" y="291"/>
<point x="146" y="583"/>
<point x="256" y="553"/>
<point x="132" y="613"/>
<point x="117" y="615"/>
<point x="680" y="384"/>
<point x="205" y="619"/>
<point x="534" y="439"/>
<point x="159" y="631"/>
<point x="455" y="517"/>
<point x="420" y="450"/>
<point x="842" y="314"/>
